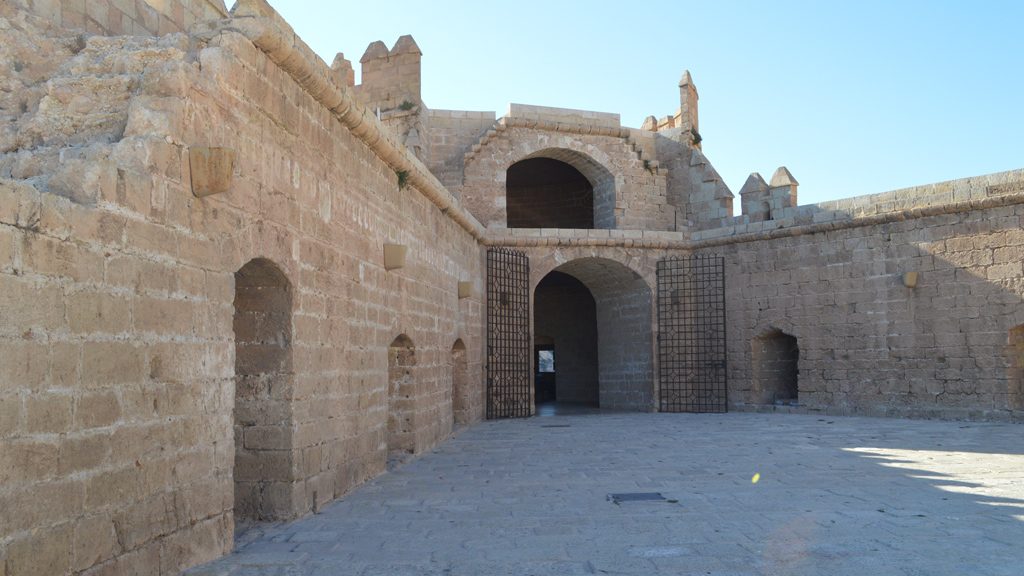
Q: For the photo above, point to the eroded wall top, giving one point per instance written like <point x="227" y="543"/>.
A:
<point x="125" y="17"/>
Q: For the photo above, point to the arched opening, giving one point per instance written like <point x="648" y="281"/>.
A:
<point x="263" y="388"/>
<point x="596" y="316"/>
<point x="565" y="342"/>
<point x="401" y="397"/>
<point x="775" y="360"/>
<point x="460" y="384"/>
<point x="1015" y="378"/>
<point x="559" y="189"/>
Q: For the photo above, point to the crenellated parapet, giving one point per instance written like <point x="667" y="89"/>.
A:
<point x="762" y="201"/>
<point x="390" y="79"/>
<point x="390" y="86"/>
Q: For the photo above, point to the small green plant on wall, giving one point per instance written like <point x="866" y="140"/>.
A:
<point x="403" y="178"/>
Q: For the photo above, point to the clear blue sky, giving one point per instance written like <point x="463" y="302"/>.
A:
<point x="854" y="98"/>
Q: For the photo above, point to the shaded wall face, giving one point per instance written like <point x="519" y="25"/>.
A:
<point x="262" y="414"/>
<point x="564" y="310"/>
<point x="624" y="346"/>
<point x="604" y="205"/>
<point x="1015" y="360"/>
<point x="869" y="344"/>
<point x="546" y="193"/>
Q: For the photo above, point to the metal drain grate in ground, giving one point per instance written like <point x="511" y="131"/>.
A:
<point x="636" y="497"/>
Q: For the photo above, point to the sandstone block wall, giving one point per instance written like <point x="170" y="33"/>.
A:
<point x="119" y="379"/>
<point x="451" y="133"/>
<point x="867" y="342"/>
<point x="132" y="17"/>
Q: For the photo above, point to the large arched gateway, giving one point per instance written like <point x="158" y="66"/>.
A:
<point x="595" y="316"/>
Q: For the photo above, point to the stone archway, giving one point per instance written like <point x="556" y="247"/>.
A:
<point x="263" y="389"/>
<point x="565" y="341"/>
<point x="622" y="318"/>
<point x="559" y="188"/>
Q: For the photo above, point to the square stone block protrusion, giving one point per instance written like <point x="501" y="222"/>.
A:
<point x="465" y="290"/>
<point x="910" y="279"/>
<point x="394" y="256"/>
<point x="211" y="169"/>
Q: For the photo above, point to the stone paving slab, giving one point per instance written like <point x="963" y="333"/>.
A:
<point x="835" y="496"/>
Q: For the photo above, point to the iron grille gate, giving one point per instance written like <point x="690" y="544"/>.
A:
<point x="691" y="334"/>
<point x="508" y="334"/>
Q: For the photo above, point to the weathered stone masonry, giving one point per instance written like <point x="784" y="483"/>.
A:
<point x="119" y="289"/>
<point x="200" y="322"/>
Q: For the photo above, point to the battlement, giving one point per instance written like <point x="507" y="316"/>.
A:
<point x="391" y="79"/>
<point x="684" y="125"/>
<point x="772" y="209"/>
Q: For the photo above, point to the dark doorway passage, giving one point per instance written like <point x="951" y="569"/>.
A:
<point x="544" y="370"/>
<point x="565" y="350"/>
<point x="546" y="193"/>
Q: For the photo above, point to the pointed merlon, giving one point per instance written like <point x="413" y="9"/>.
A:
<point x="650" y="124"/>
<point x="782" y="177"/>
<point x="342" y="67"/>
<point x="686" y="80"/>
<point x="754" y="184"/>
<point x="340" y="62"/>
<point x="405" y="45"/>
<point x="374" y="51"/>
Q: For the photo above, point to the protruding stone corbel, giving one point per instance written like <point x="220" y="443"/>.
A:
<point x="211" y="169"/>
<point x="394" y="256"/>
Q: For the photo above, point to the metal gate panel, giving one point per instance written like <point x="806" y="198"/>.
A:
<point x="508" y="334"/>
<point x="691" y="334"/>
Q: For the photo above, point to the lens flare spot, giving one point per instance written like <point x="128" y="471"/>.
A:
<point x="756" y="478"/>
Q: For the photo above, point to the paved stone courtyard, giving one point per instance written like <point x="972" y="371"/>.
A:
<point x="835" y="496"/>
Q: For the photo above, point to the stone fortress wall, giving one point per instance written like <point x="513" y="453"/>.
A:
<point x="234" y="283"/>
<point x="123" y="356"/>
